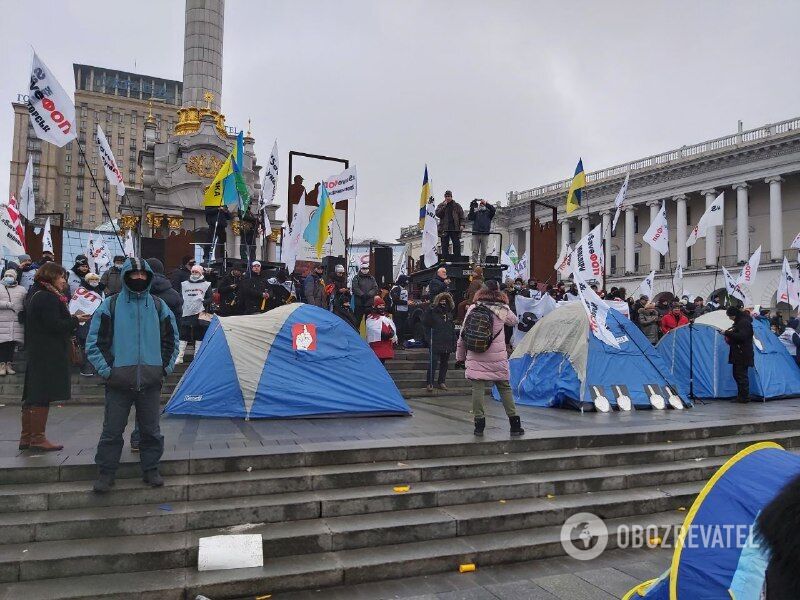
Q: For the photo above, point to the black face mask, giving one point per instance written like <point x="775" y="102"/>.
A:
<point x="137" y="285"/>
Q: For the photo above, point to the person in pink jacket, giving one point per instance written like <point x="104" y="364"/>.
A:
<point x="491" y="366"/>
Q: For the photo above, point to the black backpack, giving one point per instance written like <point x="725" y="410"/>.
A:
<point x="478" y="330"/>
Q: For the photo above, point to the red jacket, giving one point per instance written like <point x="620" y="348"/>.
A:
<point x="669" y="322"/>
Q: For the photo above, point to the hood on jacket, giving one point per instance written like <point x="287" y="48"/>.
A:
<point x="445" y="296"/>
<point x="136" y="264"/>
<point x="160" y="284"/>
<point x="156" y="265"/>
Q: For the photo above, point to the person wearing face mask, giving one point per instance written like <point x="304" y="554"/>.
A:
<point x="112" y="278"/>
<point x="27" y="271"/>
<point x="76" y="274"/>
<point x="85" y="301"/>
<point x="133" y="344"/>
<point x="196" y="293"/>
<point x="338" y="284"/>
<point x="341" y="308"/>
<point x="255" y="290"/>
<point x="517" y="288"/>
<point x="440" y="333"/>
<point x="365" y="288"/>
<point x="314" y="287"/>
<point x="12" y="300"/>
<point x="381" y="333"/>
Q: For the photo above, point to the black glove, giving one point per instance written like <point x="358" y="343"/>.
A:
<point x="460" y="365"/>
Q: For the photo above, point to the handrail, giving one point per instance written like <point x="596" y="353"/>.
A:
<point x="707" y="147"/>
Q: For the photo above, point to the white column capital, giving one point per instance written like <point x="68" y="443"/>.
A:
<point x="630" y="209"/>
<point x="680" y="198"/>
<point x="742" y="185"/>
<point x="563" y="220"/>
<point x="774" y="179"/>
<point x="708" y="192"/>
<point x="654" y="203"/>
<point x="605" y="213"/>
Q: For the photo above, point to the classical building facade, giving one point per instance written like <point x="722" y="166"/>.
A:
<point x="119" y="102"/>
<point x="759" y="172"/>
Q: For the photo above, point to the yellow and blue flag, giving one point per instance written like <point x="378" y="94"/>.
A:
<point x="316" y="232"/>
<point x="234" y="189"/>
<point x="214" y="193"/>
<point x="423" y="198"/>
<point x="576" y="188"/>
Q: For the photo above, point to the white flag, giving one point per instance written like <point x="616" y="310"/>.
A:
<point x="403" y="263"/>
<point x="562" y="264"/>
<point x="97" y="254"/>
<point x="536" y="309"/>
<point x="596" y="310"/>
<point x="796" y="242"/>
<point x="130" y="250"/>
<point x="677" y="280"/>
<point x="293" y="239"/>
<point x="646" y="287"/>
<point x="50" y="108"/>
<point x="510" y="269"/>
<point x="748" y="275"/>
<point x="730" y="285"/>
<point x="113" y="174"/>
<point x="493" y="249"/>
<point x="47" y="238"/>
<point x="588" y="258"/>
<point x="522" y="267"/>
<point x="269" y="187"/>
<point x="343" y="186"/>
<point x="657" y="235"/>
<point x="27" y="201"/>
<point x="788" y="290"/>
<point x="619" y="202"/>
<point x="512" y="254"/>
<point x="12" y="236"/>
<point x="430" y="235"/>
<point x="713" y="217"/>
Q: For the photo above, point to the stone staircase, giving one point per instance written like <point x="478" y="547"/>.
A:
<point x="334" y="517"/>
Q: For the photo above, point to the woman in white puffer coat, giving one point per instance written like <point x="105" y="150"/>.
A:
<point x="12" y="300"/>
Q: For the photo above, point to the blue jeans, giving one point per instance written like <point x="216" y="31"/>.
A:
<point x="148" y="412"/>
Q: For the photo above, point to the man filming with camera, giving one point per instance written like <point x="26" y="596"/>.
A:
<point x="481" y="214"/>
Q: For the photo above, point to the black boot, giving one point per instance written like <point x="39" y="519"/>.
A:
<point x="516" y="426"/>
<point x="480" y="425"/>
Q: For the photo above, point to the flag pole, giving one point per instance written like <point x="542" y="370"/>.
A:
<point x="102" y="198"/>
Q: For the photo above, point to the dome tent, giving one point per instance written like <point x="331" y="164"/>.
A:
<point x="718" y="553"/>
<point x="697" y="359"/>
<point x="559" y="363"/>
<point x="297" y="360"/>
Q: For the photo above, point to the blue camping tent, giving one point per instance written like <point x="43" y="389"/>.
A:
<point x="295" y="361"/>
<point x="700" y="353"/>
<point x="560" y="364"/>
<point x="717" y="553"/>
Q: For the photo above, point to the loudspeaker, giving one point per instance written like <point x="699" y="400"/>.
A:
<point x="329" y="264"/>
<point x="383" y="265"/>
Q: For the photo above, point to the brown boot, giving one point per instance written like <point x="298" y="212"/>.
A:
<point x="38" y="425"/>
<point x="25" y="436"/>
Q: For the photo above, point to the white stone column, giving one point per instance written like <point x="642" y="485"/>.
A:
<point x="775" y="218"/>
<point x="526" y="232"/>
<point x="655" y="257"/>
<point x="585" y="228"/>
<point x="742" y="223"/>
<point x="680" y="230"/>
<point x="564" y="232"/>
<point x="606" y="228"/>
<point x="630" y="249"/>
<point x="711" y="235"/>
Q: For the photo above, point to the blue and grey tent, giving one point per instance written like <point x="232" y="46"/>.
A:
<point x="717" y="551"/>
<point x="697" y="360"/>
<point x="295" y="361"/>
<point x="559" y="363"/>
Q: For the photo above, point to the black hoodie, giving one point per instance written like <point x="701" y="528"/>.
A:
<point x="162" y="288"/>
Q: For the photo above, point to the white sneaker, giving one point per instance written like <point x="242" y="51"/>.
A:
<point x="181" y="350"/>
<point x="9" y="370"/>
<point x="2" y="369"/>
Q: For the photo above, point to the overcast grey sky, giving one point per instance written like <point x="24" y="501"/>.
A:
<point x="494" y="96"/>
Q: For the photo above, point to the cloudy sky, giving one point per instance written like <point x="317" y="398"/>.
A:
<point x="494" y="96"/>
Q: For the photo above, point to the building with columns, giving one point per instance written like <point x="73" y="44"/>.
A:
<point x="759" y="172"/>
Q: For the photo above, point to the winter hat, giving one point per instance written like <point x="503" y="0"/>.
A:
<point x="254" y="263"/>
<point x="155" y="264"/>
<point x="195" y="269"/>
<point x="402" y="280"/>
<point x="24" y="257"/>
<point x="378" y="302"/>
<point x="81" y="260"/>
<point x="10" y="273"/>
<point x="340" y="268"/>
<point x="794" y="323"/>
<point x="92" y="277"/>
<point x="365" y="262"/>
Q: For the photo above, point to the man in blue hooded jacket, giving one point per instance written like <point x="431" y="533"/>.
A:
<point x="133" y="344"/>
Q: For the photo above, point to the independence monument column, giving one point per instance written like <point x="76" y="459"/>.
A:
<point x="202" y="53"/>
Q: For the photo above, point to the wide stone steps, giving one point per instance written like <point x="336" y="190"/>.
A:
<point x="319" y="570"/>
